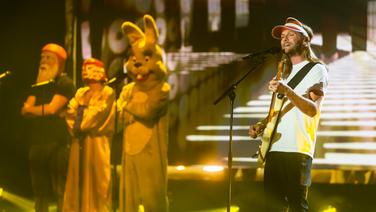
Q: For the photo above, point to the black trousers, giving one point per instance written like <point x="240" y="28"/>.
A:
<point x="287" y="177"/>
<point x="48" y="171"/>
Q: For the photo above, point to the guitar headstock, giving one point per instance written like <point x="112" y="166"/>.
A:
<point x="282" y="65"/>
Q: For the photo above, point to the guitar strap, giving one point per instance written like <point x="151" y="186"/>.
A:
<point x="293" y="83"/>
<point x="301" y="74"/>
<point x="298" y="78"/>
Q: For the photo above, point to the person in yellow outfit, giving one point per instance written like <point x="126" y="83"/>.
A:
<point x="91" y="121"/>
<point x="143" y="106"/>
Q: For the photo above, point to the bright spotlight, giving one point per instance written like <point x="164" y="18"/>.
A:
<point x="180" y="168"/>
<point x="213" y="168"/>
<point x="17" y="200"/>
<point x="329" y="208"/>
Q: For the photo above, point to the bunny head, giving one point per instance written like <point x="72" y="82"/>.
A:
<point x="144" y="65"/>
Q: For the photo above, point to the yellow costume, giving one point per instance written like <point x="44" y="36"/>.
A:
<point x="96" y="130"/>
<point x="143" y="106"/>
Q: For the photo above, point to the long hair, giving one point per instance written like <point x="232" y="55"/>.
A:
<point x="307" y="50"/>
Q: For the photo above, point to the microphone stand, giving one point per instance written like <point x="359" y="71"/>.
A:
<point x="114" y="83"/>
<point x="114" y="180"/>
<point x="230" y="92"/>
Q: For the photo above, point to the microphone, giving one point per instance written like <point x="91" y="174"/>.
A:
<point x="7" y="73"/>
<point x="271" y="50"/>
<point x="120" y="76"/>
<point x="42" y="83"/>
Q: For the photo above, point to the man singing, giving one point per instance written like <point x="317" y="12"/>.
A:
<point x="289" y="160"/>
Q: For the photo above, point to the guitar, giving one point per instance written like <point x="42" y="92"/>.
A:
<point x="273" y="115"/>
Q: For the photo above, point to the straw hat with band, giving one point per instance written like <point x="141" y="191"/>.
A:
<point x="291" y="24"/>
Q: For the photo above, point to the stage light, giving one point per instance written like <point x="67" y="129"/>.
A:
<point x="221" y="127"/>
<point x="330" y="108"/>
<point x="329" y="208"/>
<point x="141" y="208"/>
<point x="327" y="102"/>
<point x="258" y="103"/>
<point x="19" y="201"/>
<point x="352" y="158"/>
<point x="233" y="208"/>
<point x="348" y="133"/>
<point x="251" y="109"/>
<point x="332" y="115"/>
<point x="213" y="168"/>
<point x="342" y="123"/>
<point x="200" y="138"/>
<point x="351" y="145"/>
<point x="180" y="168"/>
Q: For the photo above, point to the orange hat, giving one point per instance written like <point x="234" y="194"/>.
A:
<point x="97" y="74"/>
<point x="57" y="49"/>
<point x="291" y="24"/>
<point x="93" y="61"/>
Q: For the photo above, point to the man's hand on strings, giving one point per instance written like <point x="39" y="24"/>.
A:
<point x="278" y="86"/>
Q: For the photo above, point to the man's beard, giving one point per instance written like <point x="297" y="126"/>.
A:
<point x="47" y="73"/>
<point x="298" y="49"/>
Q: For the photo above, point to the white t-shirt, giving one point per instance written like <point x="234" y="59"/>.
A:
<point x="296" y="131"/>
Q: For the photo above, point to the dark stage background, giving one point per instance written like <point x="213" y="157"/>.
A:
<point x="202" y="45"/>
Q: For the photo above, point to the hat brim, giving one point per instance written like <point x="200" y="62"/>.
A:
<point x="277" y="31"/>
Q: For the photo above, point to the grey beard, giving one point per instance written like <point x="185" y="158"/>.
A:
<point x="46" y="75"/>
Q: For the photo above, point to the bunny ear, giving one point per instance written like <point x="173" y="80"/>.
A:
<point x="133" y="32"/>
<point x="151" y="31"/>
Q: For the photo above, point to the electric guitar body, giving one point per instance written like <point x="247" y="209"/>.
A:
<point x="275" y="108"/>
